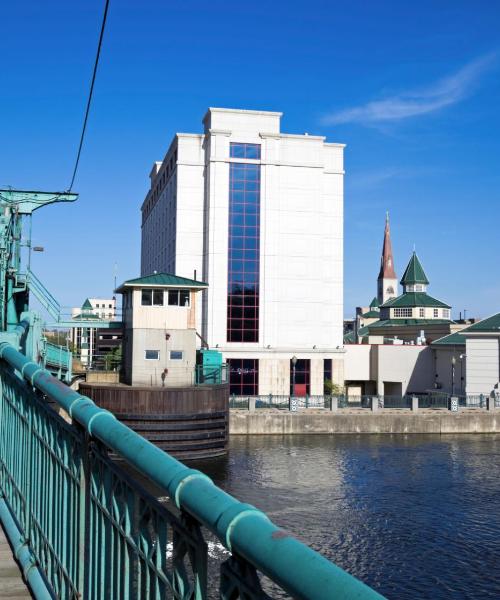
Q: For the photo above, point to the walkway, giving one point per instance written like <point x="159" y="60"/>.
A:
<point x="12" y="585"/>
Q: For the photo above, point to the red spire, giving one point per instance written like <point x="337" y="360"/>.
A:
<point x="387" y="260"/>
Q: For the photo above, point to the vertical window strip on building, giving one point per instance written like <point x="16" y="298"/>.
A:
<point x="243" y="250"/>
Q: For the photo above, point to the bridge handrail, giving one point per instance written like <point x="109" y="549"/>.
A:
<point x="43" y="295"/>
<point x="240" y="527"/>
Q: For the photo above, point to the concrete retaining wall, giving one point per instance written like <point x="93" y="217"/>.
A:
<point x="269" y="422"/>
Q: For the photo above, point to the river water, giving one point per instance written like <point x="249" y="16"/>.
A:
<point x="411" y="516"/>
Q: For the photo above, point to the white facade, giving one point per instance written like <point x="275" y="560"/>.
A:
<point x="483" y="363"/>
<point x="185" y="231"/>
<point x="104" y="308"/>
<point x="388" y="369"/>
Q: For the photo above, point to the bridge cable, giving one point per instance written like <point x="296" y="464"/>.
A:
<point x="89" y="101"/>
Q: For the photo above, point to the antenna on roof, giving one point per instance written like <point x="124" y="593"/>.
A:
<point x="115" y="272"/>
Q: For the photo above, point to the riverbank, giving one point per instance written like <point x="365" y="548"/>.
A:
<point x="437" y="421"/>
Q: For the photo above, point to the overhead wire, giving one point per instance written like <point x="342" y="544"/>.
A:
<point x="89" y="101"/>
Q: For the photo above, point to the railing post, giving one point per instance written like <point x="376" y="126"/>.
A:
<point x="83" y="517"/>
<point x="251" y="404"/>
<point x="334" y="403"/>
<point x="414" y="403"/>
<point x="374" y="403"/>
<point x="490" y="403"/>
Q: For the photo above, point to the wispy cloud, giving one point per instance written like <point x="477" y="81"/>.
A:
<point x="412" y="103"/>
<point x="374" y="179"/>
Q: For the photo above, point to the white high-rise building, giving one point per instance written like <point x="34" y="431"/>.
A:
<point x="258" y="215"/>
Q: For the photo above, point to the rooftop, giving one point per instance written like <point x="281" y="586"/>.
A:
<point x="414" y="299"/>
<point x="371" y="314"/>
<point x="407" y="322"/>
<point x="163" y="280"/>
<point x="453" y="339"/>
<point x="414" y="272"/>
<point x="488" y="325"/>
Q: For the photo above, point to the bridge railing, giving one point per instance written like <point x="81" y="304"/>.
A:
<point x="83" y="527"/>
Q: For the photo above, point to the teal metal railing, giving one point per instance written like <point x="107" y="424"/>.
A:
<point x="43" y="295"/>
<point x="83" y="527"/>
<point x="58" y="360"/>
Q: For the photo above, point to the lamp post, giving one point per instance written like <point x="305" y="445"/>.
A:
<point x="294" y="364"/>
<point x="453" y="363"/>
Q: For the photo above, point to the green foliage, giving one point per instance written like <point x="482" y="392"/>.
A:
<point x="113" y="359"/>
<point x="332" y="389"/>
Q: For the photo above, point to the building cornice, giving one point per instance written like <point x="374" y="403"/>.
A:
<point x="225" y="132"/>
<point x="241" y="111"/>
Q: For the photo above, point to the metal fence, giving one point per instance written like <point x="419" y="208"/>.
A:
<point x="83" y="528"/>
<point x="425" y="401"/>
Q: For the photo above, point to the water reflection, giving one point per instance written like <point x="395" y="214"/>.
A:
<point x="412" y="516"/>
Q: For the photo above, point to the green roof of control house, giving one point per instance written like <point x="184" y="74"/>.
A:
<point x="87" y="304"/>
<point x="374" y="303"/>
<point x="414" y="300"/>
<point x="414" y="272"/>
<point x="453" y="339"/>
<point x="163" y="280"/>
<point x="490" y="324"/>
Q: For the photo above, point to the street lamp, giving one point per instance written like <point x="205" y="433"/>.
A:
<point x="453" y="363"/>
<point x="294" y="364"/>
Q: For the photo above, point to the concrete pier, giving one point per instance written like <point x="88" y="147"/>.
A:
<point x="363" y="421"/>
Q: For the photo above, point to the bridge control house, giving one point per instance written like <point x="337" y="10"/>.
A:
<point x="159" y="320"/>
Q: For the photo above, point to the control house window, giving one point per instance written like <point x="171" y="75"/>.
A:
<point x="178" y="297"/>
<point x="243" y="376"/>
<point x="175" y="354"/>
<point x="151" y="297"/>
<point x="403" y="312"/>
<point x="446" y="313"/>
<point x="152" y="354"/>
<point x="421" y="312"/>
<point x="436" y="313"/>
<point x="243" y="246"/>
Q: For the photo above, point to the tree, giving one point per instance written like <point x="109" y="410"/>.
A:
<point x="113" y="359"/>
<point x="332" y="389"/>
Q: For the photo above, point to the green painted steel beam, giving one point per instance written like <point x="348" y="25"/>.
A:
<point x="242" y="528"/>
<point x="27" y="201"/>
<point x="94" y="324"/>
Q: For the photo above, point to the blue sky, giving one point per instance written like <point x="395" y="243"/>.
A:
<point x="413" y="89"/>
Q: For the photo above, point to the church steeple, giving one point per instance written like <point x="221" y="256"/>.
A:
<point x="387" y="283"/>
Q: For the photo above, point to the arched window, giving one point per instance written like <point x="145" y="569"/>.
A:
<point x="390" y="290"/>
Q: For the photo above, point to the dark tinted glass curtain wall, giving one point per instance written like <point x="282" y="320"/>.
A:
<point x="243" y="250"/>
